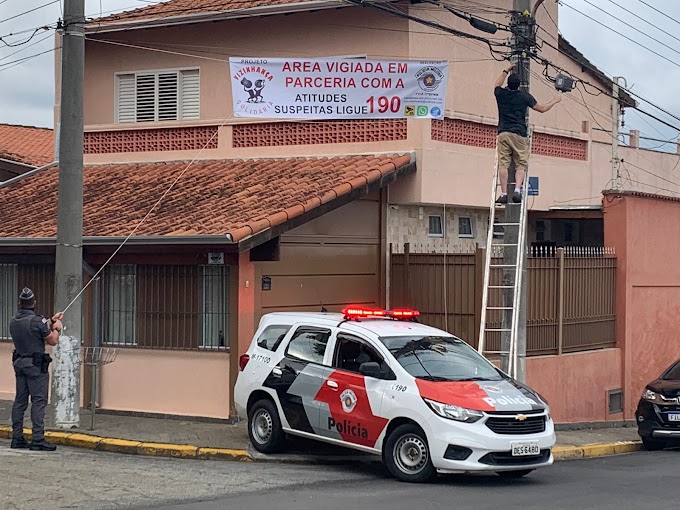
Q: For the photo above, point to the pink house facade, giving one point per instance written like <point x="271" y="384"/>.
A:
<point x="158" y="90"/>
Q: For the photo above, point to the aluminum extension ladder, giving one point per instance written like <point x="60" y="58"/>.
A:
<point x="497" y="298"/>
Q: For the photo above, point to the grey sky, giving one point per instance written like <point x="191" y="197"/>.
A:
<point x="27" y="88"/>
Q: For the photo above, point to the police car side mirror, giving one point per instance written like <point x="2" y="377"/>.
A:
<point x="371" y="369"/>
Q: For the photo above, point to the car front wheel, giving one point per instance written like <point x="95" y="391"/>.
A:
<point x="407" y="454"/>
<point x="652" y="444"/>
<point x="264" y="427"/>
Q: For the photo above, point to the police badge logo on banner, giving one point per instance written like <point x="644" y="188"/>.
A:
<point x="333" y="88"/>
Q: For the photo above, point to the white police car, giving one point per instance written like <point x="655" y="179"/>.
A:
<point x="378" y="381"/>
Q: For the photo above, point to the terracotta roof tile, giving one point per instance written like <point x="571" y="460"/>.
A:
<point x="181" y="8"/>
<point x="26" y="144"/>
<point x="237" y="197"/>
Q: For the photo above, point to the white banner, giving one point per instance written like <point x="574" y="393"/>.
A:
<point x="337" y="88"/>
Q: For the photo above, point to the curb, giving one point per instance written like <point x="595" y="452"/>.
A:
<point x="149" y="449"/>
<point x="587" y="451"/>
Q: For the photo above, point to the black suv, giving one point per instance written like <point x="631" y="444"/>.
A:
<point x="658" y="412"/>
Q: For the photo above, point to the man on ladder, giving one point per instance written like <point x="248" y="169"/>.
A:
<point x="512" y="142"/>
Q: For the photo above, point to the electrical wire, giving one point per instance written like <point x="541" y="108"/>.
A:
<point x="451" y="31"/>
<point x="660" y="12"/>
<point x="206" y="50"/>
<point x="23" y="48"/>
<point x="151" y="210"/>
<point x="14" y="63"/>
<point x="643" y="19"/>
<point x="29" y="11"/>
<point x="631" y="26"/>
<point x="607" y="93"/>
<point x="622" y="35"/>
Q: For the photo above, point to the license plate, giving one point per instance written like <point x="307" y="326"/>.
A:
<point x="523" y="449"/>
<point x="674" y="417"/>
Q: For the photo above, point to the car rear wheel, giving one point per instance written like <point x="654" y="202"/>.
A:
<point x="407" y="454"/>
<point x="264" y="427"/>
<point x="653" y="444"/>
<point x="513" y="475"/>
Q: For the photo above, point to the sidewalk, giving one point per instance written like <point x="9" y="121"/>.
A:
<point x="186" y="438"/>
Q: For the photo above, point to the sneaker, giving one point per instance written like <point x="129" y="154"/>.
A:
<point x="43" y="446"/>
<point x="503" y="199"/>
<point x="19" y="443"/>
<point x="516" y="197"/>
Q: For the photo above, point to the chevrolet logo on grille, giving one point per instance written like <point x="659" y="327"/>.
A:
<point x="520" y="417"/>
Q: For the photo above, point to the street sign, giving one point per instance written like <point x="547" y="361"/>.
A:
<point x="533" y="186"/>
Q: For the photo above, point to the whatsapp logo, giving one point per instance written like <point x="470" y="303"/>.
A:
<point x="421" y="111"/>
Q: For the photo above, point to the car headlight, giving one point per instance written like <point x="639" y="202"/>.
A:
<point x="651" y="396"/>
<point x="454" y="412"/>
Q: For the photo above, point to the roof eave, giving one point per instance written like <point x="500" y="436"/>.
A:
<point x="117" y="240"/>
<point x="266" y="10"/>
<point x="18" y="163"/>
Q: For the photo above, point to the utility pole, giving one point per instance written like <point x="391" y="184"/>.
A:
<point x="523" y="28"/>
<point x="69" y="266"/>
<point x="616" y="116"/>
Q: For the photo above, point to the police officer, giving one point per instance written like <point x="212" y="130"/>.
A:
<point x="30" y="333"/>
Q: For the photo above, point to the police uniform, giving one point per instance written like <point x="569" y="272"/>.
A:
<point x="30" y="362"/>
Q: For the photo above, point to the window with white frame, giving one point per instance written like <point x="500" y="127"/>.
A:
<point x="8" y="297"/>
<point x="158" y="96"/>
<point x="435" y="226"/>
<point x="465" y="227"/>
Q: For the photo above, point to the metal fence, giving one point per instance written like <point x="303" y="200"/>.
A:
<point x="14" y="277"/>
<point x="165" y="307"/>
<point x="157" y="307"/>
<point x="570" y="296"/>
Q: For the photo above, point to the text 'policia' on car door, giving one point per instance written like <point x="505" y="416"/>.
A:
<point x="353" y="400"/>
<point x="299" y="376"/>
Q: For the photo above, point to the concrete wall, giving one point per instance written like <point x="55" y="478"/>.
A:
<point x="6" y="371"/>
<point x="576" y="385"/>
<point x="645" y="232"/>
<point x="410" y="224"/>
<point x="447" y="173"/>
<point x="333" y="260"/>
<point x="168" y="382"/>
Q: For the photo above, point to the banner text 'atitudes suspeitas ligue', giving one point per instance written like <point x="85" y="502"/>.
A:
<point x="337" y="88"/>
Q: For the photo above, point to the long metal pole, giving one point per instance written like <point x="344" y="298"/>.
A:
<point x="520" y="44"/>
<point x="69" y="269"/>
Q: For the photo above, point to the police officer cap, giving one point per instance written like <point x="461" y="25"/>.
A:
<point x="26" y="294"/>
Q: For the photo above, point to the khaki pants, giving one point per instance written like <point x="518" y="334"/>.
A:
<point x="512" y="147"/>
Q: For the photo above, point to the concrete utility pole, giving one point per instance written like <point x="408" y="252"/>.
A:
<point x="69" y="266"/>
<point x="616" y="116"/>
<point x="523" y="30"/>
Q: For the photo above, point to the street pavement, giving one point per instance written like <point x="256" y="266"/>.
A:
<point x="82" y="479"/>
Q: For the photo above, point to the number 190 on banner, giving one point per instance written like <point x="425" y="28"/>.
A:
<point x="334" y="88"/>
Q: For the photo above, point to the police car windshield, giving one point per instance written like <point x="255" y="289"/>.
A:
<point x="440" y="358"/>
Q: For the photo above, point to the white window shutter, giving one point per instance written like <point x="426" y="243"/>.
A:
<point x="126" y="98"/>
<point x="146" y="97"/>
<point x="191" y="94"/>
<point x="168" y="95"/>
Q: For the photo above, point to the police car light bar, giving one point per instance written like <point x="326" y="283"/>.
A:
<point x="404" y="313"/>
<point x="360" y="312"/>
